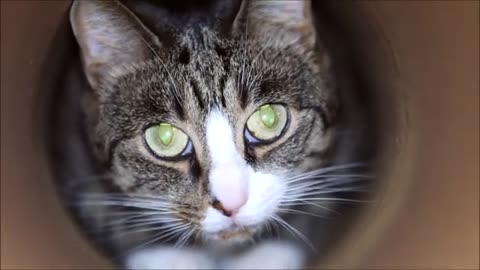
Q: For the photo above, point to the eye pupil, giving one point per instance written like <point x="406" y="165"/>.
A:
<point x="165" y="133"/>
<point x="268" y="116"/>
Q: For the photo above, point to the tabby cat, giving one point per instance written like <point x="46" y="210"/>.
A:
<point x="215" y="141"/>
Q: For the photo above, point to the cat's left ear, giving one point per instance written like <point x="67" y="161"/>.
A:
<point x="278" y="22"/>
<point x="110" y="38"/>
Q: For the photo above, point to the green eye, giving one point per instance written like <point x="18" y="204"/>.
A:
<point x="267" y="122"/>
<point x="165" y="140"/>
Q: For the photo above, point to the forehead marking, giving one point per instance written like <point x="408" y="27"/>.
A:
<point x="197" y="93"/>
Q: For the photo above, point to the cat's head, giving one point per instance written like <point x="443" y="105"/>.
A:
<point x="208" y="130"/>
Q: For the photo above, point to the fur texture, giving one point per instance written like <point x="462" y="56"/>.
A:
<point x="206" y="77"/>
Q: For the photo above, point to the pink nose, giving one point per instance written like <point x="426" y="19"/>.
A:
<point x="231" y="208"/>
<point x="230" y="189"/>
<point x="230" y="200"/>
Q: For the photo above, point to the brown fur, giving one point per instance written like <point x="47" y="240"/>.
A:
<point x="141" y="77"/>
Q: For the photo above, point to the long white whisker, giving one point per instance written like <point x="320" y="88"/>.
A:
<point x="124" y="203"/>
<point x="330" y="169"/>
<point x="165" y="228"/>
<point x="327" y="191"/>
<point x="133" y="219"/>
<point x="141" y="222"/>
<point x="158" y="237"/>
<point x="122" y="197"/>
<point x="322" y="190"/>
<point x="283" y="203"/>
<point x="184" y="238"/>
<point x="303" y="200"/>
<point x="293" y="231"/>
<point x="129" y="213"/>
<point x="295" y="211"/>
<point x="325" y="177"/>
<point x="322" y="184"/>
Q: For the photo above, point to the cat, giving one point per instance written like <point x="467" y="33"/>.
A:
<point x="217" y="138"/>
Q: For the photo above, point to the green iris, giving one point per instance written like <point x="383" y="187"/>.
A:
<point x="268" y="121"/>
<point x="166" y="140"/>
<point x="165" y="133"/>
<point x="268" y="116"/>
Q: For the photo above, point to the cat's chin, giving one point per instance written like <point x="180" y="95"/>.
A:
<point x="233" y="236"/>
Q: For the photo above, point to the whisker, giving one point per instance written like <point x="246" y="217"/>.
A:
<point x="121" y="203"/>
<point x="277" y="229"/>
<point x="333" y="168"/>
<point x="133" y="223"/>
<point x="324" y="183"/>
<point x="354" y="183"/>
<point x="129" y="213"/>
<point x="269" y="227"/>
<point x="322" y="190"/>
<point x="148" y="203"/>
<point x="143" y="228"/>
<point x="156" y="237"/>
<point x="322" y="177"/>
<point x="122" y="196"/>
<point x="184" y="238"/>
<point x="293" y="231"/>
<point x="303" y="201"/>
<point x="313" y="204"/>
<point x="295" y="211"/>
<point x="318" y="191"/>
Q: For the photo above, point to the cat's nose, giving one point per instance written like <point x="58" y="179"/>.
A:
<point x="219" y="206"/>
<point x="230" y="199"/>
<point x="230" y="188"/>
<point x="231" y="207"/>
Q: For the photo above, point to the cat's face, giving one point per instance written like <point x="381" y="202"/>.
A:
<point x="209" y="131"/>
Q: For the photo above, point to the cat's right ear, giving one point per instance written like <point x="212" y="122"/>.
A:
<point x="110" y="38"/>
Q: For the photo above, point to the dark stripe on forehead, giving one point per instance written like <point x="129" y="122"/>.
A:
<point x="184" y="56"/>
<point x="221" y="85"/>
<point x="197" y="93"/>
<point x="178" y="107"/>
<point x="242" y="84"/>
<point x="242" y="94"/>
<point x="224" y="55"/>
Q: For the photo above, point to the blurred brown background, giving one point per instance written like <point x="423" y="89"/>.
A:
<point x="434" y="222"/>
